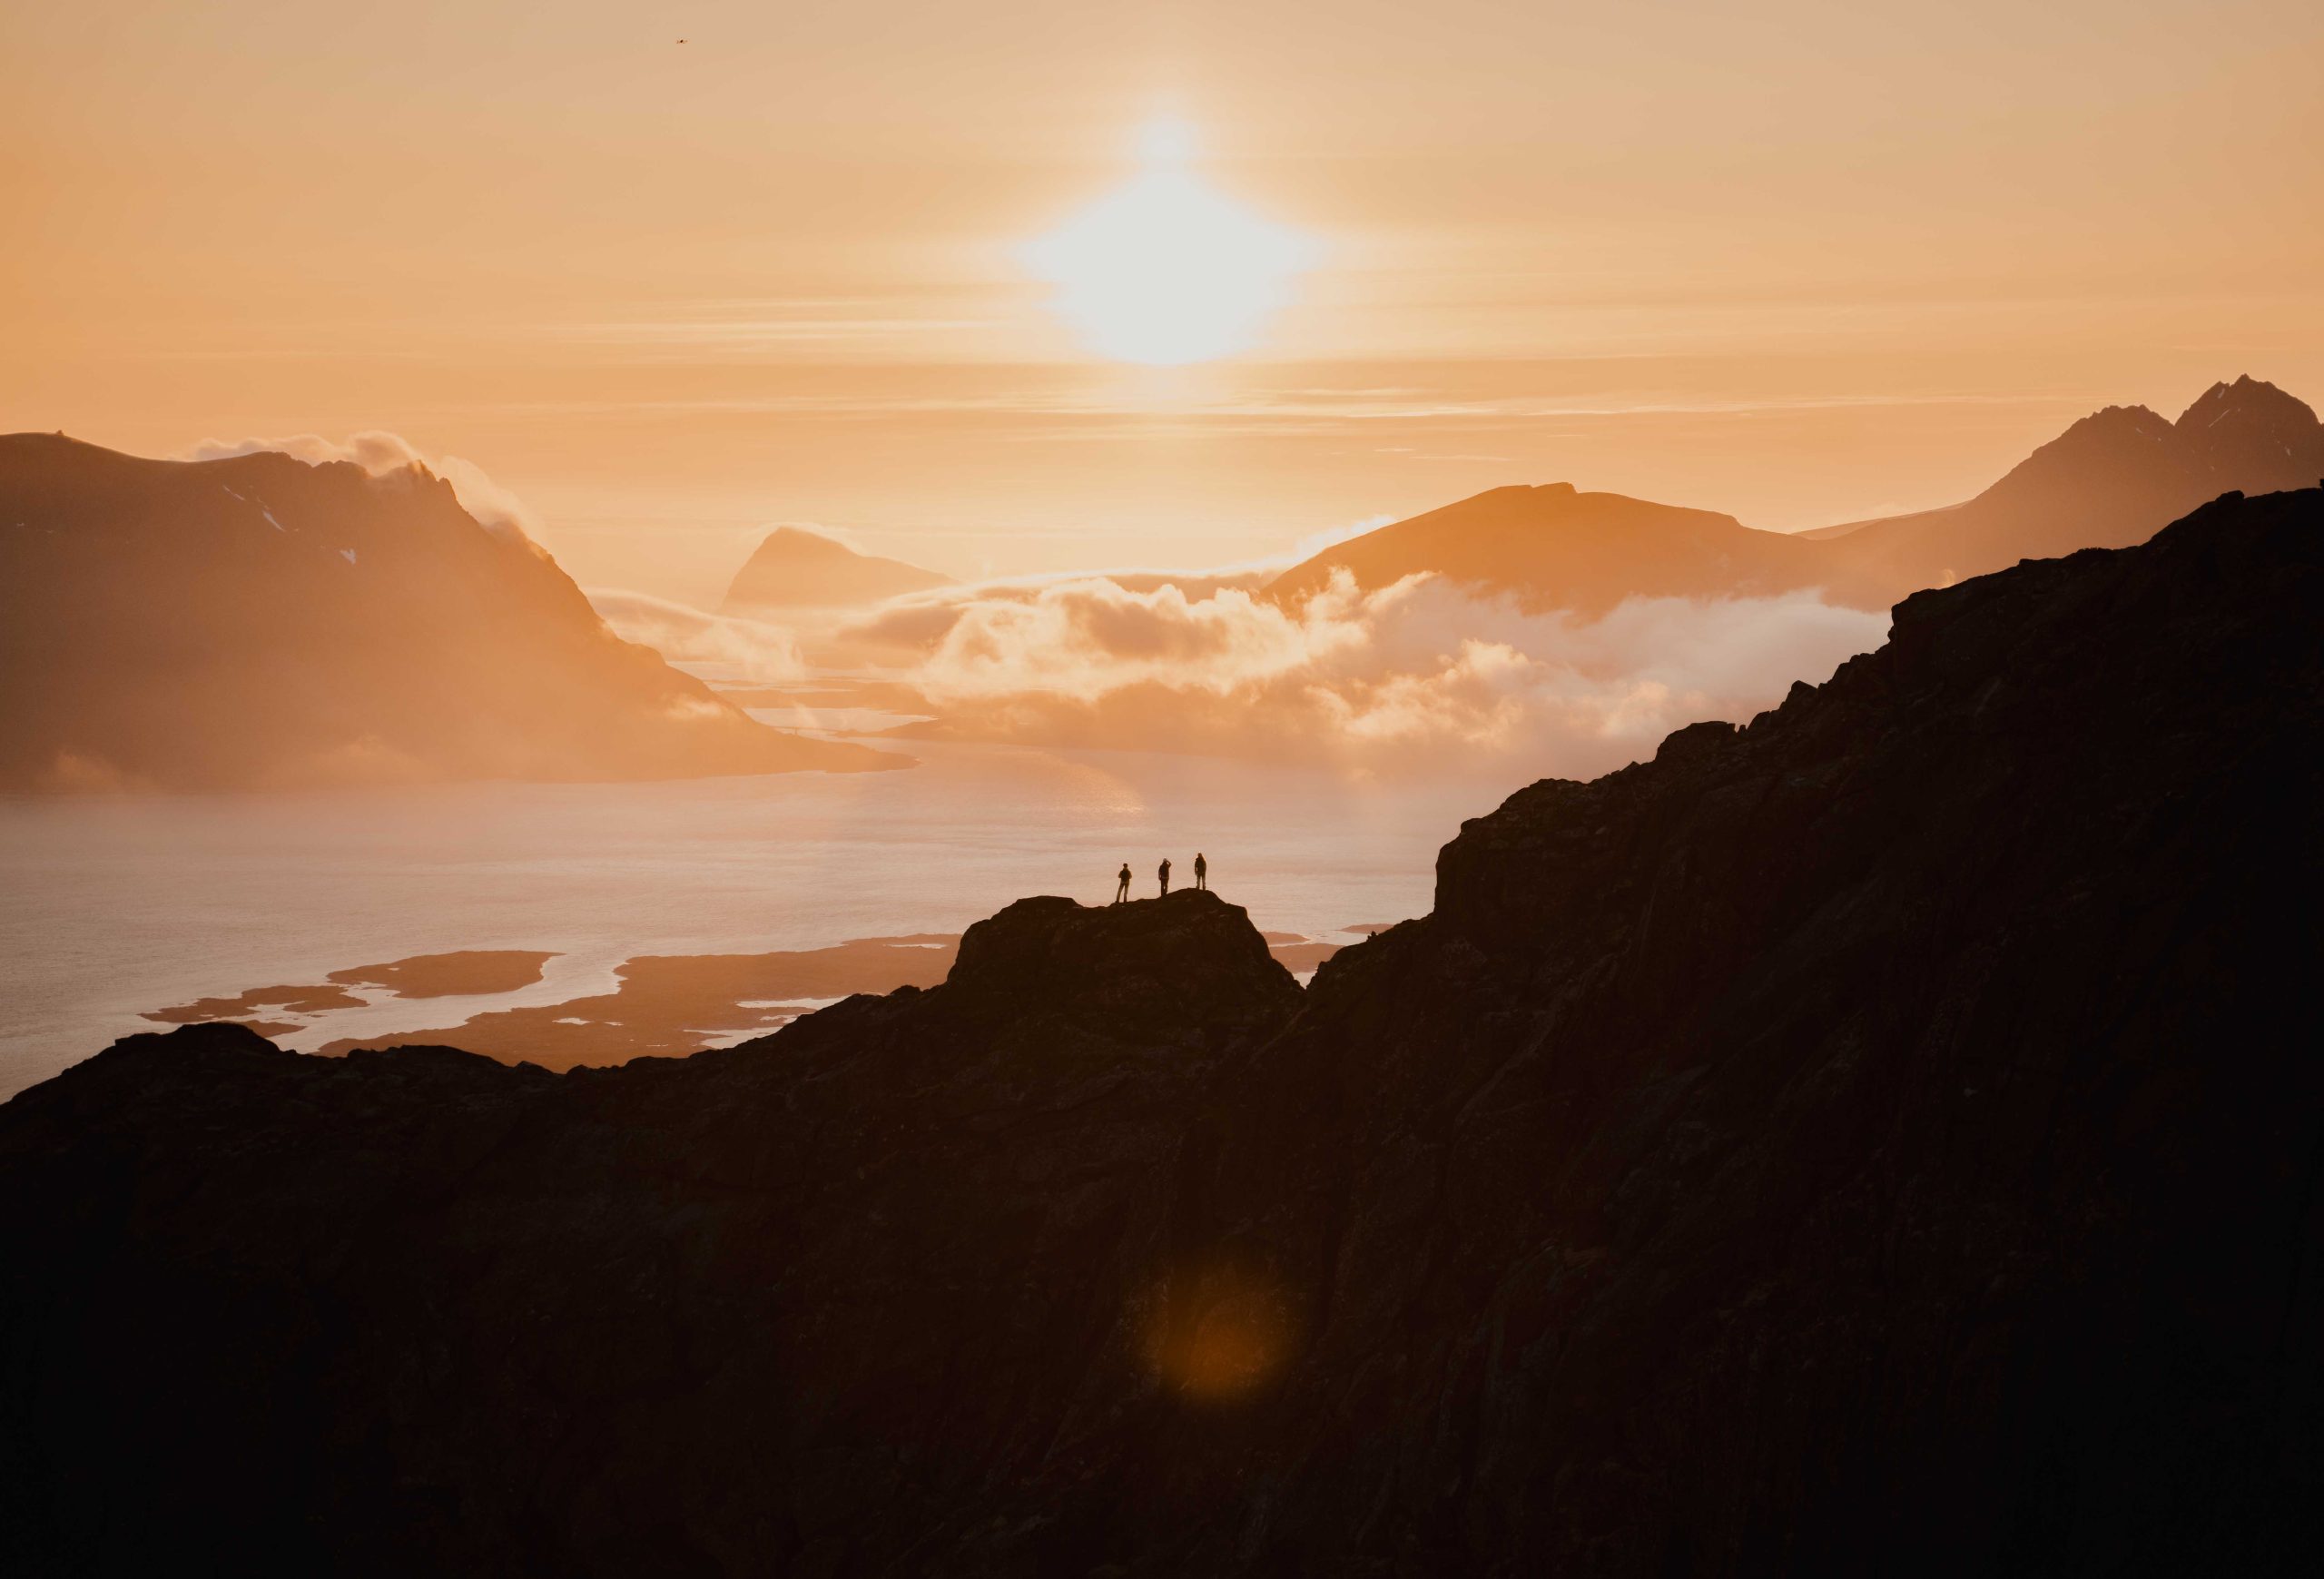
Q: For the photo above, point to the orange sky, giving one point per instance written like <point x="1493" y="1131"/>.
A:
<point x="1801" y="261"/>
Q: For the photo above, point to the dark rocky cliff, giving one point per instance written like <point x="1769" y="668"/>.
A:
<point x="1884" y="1138"/>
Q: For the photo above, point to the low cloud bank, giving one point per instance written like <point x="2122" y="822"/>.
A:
<point x="1419" y="674"/>
<point x="746" y="649"/>
<point x="382" y="454"/>
<point x="912" y="625"/>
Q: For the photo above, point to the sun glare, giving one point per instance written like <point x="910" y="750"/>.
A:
<point x="1165" y="271"/>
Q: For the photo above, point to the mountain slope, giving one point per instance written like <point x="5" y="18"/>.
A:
<point x="792" y="568"/>
<point x="2109" y="481"/>
<point x="1552" y="546"/>
<point x="259" y="621"/>
<point x="1882" y="1138"/>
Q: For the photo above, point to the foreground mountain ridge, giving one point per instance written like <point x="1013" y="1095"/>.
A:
<point x="260" y="622"/>
<point x="1879" y="1138"/>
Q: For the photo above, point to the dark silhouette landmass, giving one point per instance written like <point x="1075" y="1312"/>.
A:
<point x="2109" y="481"/>
<point x="795" y="567"/>
<point x="1882" y="1138"/>
<point x="258" y="621"/>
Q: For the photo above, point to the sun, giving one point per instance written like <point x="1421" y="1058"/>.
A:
<point x="1165" y="271"/>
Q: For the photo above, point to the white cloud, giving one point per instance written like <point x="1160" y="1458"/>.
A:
<point x="1417" y="674"/>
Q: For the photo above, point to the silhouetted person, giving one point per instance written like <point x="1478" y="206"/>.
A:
<point x="1122" y="891"/>
<point x="1165" y="874"/>
<point x="1202" y="872"/>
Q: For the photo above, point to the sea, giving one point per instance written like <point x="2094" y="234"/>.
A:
<point x="118" y="906"/>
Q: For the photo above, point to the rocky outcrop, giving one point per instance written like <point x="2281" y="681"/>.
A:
<point x="260" y="622"/>
<point x="1882" y="1138"/>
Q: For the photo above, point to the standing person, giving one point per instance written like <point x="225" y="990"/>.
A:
<point x="1165" y="874"/>
<point x="1121" y="890"/>
<point x="1202" y="872"/>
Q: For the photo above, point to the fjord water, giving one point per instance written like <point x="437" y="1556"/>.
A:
<point x="119" y="905"/>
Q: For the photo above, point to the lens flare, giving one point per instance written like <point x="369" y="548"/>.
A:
<point x="1165" y="271"/>
<point x="1218" y="1331"/>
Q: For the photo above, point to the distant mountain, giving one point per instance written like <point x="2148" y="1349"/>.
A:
<point x="1555" y="547"/>
<point x="794" y="567"/>
<point x="2109" y="481"/>
<point x="1878" y="1139"/>
<point x="2256" y="438"/>
<point x="259" y="621"/>
<point x="2112" y="479"/>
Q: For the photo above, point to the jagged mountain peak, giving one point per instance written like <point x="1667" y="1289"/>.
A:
<point x="2115" y="453"/>
<point x="2253" y="436"/>
<point x="2246" y="399"/>
<point x="2109" y="425"/>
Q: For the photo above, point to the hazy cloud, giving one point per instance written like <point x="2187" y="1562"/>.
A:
<point x="748" y="649"/>
<point x="918" y="621"/>
<point x="1314" y="543"/>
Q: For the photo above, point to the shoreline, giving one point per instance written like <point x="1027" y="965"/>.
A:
<point x="492" y="1002"/>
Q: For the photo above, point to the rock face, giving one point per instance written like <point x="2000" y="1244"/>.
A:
<point x="792" y="568"/>
<point x="1878" y="1138"/>
<point x="1882" y="1138"/>
<point x="2109" y="481"/>
<point x="262" y="622"/>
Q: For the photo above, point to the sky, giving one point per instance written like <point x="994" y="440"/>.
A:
<point x="1803" y="261"/>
